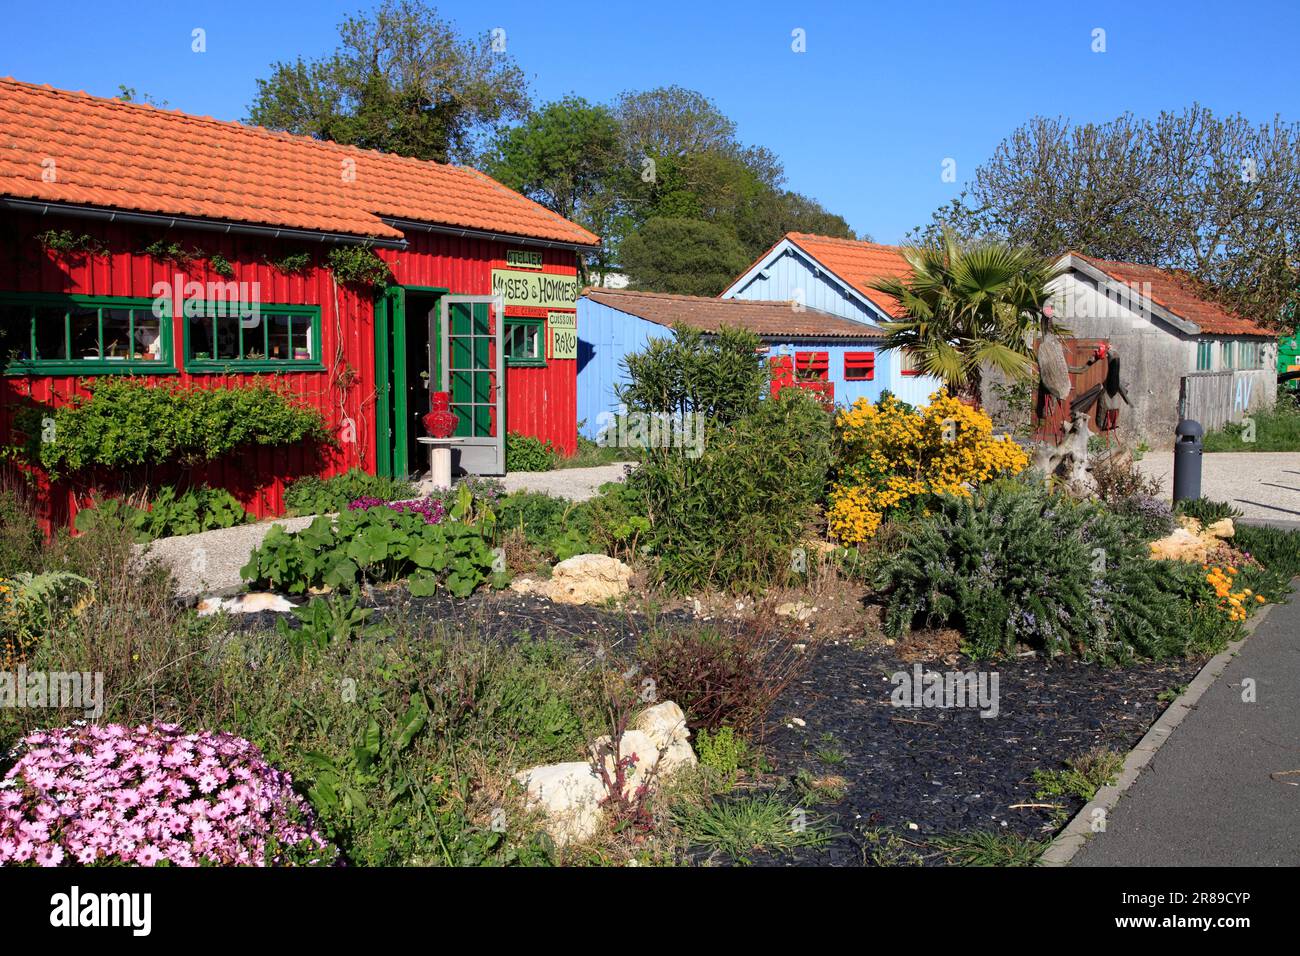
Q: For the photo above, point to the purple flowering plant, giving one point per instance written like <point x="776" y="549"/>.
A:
<point x="431" y="509"/>
<point x="148" y="796"/>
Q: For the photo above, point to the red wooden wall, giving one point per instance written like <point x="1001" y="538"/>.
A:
<point x="540" y="401"/>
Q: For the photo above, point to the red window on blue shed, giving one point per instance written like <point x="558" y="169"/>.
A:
<point x="859" y="366"/>
<point x="812" y="366"/>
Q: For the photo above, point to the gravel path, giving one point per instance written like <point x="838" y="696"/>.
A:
<point x="209" y="562"/>
<point x="576" y="484"/>
<point x="1264" y="485"/>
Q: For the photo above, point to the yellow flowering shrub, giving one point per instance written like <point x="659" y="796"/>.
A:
<point x="892" y="454"/>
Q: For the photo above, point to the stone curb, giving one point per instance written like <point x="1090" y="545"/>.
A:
<point x="1072" y="838"/>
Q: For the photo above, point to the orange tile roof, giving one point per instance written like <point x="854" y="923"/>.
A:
<point x="765" y="318"/>
<point x="1177" y="294"/>
<point x="858" y="264"/>
<point x="135" y="157"/>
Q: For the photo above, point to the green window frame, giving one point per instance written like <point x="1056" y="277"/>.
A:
<point x="1204" y="356"/>
<point x="41" y="332"/>
<point x="523" y="339"/>
<point x="218" y="337"/>
<point x="1250" y="355"/>
<point x="1225" y="352"/>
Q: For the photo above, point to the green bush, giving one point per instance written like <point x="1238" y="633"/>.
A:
<point x="722" y="753"/>
<point x="169" y="513"/>
<point x="721" y="377"/>
<point x="311" y="495"/>
<point x="373" y="544"/>
<point x="732" y="517"/>
<point x="556" y="527"/>
<point x="1277" y="550"/>
<point x="1150" y="517"/>
<point x="526" y="453"/>
<point x="1015" y="564"/>
<point x="125" y="423"/>
<point x="616" y="520"/>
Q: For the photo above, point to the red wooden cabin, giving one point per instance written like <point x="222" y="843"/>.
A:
<point x="483" y="289"/>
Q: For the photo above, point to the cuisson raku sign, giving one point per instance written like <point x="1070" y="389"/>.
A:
<point x="537" y="289"/>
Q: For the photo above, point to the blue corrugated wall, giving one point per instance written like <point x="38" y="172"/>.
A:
<point x="794" y="276"/>
<point x="605" y="335"/>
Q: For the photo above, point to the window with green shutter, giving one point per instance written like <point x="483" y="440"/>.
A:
<point x="1204" y="356"/>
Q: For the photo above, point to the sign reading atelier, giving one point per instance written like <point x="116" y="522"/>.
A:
<point x="564" y="334"/>
<point x="523" y="259"/>
<point x="537" y="289"/>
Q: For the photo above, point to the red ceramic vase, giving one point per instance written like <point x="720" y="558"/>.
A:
<point x="441" y="422"/>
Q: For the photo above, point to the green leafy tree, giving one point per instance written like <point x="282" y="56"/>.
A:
<point x="685" y="256"/>
<point x="1212" y="196"/>
<point x="403" y="81"/>
<point x="968" y="306"/>
<point x="566" y="156"/>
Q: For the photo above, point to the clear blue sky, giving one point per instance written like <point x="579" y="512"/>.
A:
<point x="863" y="120"/>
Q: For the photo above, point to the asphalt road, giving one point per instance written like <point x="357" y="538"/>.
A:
<point x="1224" y="789"/>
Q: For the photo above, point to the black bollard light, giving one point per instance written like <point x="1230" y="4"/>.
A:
<point x="1187" y="460"/>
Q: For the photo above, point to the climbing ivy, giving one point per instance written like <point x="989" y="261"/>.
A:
<point x="359" y="266"/>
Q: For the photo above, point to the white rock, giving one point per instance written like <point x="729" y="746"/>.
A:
<point x="588" y="579"/>
<point x="635" y="744"/>
<point x="664" y="723"/>
<point x="666" y="726"/>
<point x="799" y="610"/>
<point x="570" y="795"/>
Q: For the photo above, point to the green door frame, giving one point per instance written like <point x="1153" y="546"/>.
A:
<point x="391" y="459"/>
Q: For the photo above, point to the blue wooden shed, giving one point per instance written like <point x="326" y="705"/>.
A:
<point x="834" y="276"/>
<point x="839" y="356"/>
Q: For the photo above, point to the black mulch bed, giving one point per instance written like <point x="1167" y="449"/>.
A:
<point x="944" y="771"/>
<point x="949" y="771"/>
<point x="501" y="616"/>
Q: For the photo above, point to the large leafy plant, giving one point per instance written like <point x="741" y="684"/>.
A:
<point x="969" y="307"/>
<point x="170" y="513"/>
<point x="374" y="544"/>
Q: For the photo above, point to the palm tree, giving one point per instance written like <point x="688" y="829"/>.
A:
<point x="968" y="306"/>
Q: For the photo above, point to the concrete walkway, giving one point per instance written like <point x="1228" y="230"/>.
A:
<point x="209" y="562"/>
<point x="1224" y="789"/>
<point x="1263" y="485"/>
<point x="576" y="484"/>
